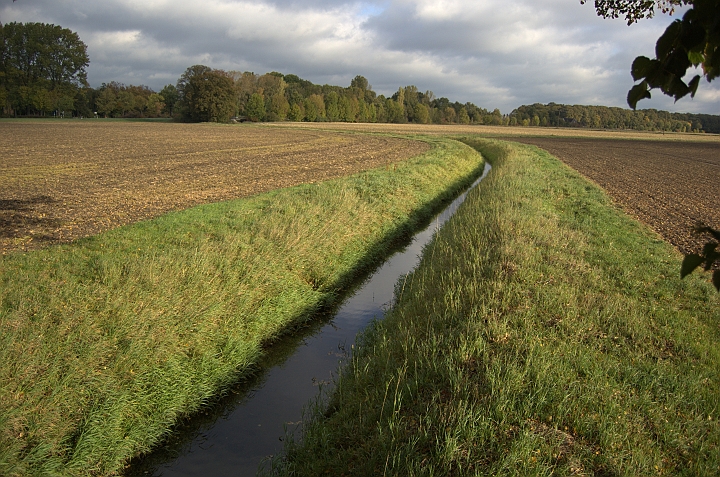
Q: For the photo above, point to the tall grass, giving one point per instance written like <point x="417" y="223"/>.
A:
<point x="107" y="342"/>
<point x="544" y="333"/>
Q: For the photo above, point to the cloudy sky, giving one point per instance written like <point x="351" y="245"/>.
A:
<point x="494" y="53"/>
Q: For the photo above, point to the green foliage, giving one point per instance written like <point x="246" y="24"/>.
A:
<point x="356" y="103"/>
<point x="296" y="113"/>
<point x="690" y="42"/>
<point x="118" y="101"/>
<point x="421" y="116"/>
<point x="360" y="82"/>
<point x="255" y="109"/>
<point x="42" y="67"/>
<point x="332" y="108"/>
<point x="206" y="95"/>
<point x="561" y="115"/>
<point x="171" y="97"/>
<point x="395" y="111"/>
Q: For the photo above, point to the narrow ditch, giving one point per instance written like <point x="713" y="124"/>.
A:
<point x="239" y="435"/>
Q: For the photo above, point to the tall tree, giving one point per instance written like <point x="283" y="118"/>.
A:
<point x="170" y="97"/>
<point x="255" y="109"/>
<point x="206" y="95"/>
<point x="360" y="82"/>
<point x="42" y="61"/>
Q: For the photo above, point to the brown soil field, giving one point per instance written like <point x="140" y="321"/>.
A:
<point x="669" y="181"/>
<point x="505" y="131"/>
<point x="61" y="180"/>
<point x="670" y="186"/>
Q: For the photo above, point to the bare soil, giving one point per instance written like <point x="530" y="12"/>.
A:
<point x="670" y="186"/>
<point x="62" y="180"/>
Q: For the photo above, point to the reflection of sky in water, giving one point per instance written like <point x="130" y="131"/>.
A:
<point x="236" y="444"/>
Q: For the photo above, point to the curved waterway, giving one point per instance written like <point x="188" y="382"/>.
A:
<point x="239" y="436"/>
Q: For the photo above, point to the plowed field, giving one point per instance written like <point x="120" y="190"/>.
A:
<point x="668" y="185"/>
<point x="62" y="180"/>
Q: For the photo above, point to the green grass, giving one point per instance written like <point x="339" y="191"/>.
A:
<point x="107" y="342"/>
<point x="544" y="333"/>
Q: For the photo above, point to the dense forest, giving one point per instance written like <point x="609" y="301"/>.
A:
<point x="603" y="117"/>
<point x="42" y="73"/>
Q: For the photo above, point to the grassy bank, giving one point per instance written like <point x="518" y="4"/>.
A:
<point x="106" y="342"/>
<point x="544" y="333"/>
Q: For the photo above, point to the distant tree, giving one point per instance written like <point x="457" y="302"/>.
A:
<point x="42" y="66"/>
<point x="106" y="102"/>
<point x="277" y="107"/>
<point x="296" y="112"/>
<point x="255" y="109"/>
<point x="395" y="111"/>
<point x="125" y="101"/>
<point x="206" y="95"/>
<point x="362" y="111"/>
<point x="449" y="115"/>
<point x="155" y="105"/>
<point x="332" y="108"/>
<point x="348" y="108"/>
<point x="311" y="110"/>
<point x="170" y="97"/>
<point x="316" y="103"/>
<point x="463" y="117"/>
<point x="360" y="82"/>
<point x="422" y="115"/>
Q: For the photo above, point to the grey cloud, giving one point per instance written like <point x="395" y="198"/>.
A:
<point x="494" y="53"/>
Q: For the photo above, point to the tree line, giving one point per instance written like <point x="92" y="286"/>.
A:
<point x="42" y="68"/>
<point x="43" y="72"/>
<point x="604" y="117"/>
<point x="206" y="94"/>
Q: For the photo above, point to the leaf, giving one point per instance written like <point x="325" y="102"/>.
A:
<point x="676" y="88"/>
<point x="638" y="92"/>
<point x="690" y="263"/>
<point x="666" y="42"/>
<point x="696" y="57"/>
<point x="640" y="67"/>
<point x="693" y="85"/>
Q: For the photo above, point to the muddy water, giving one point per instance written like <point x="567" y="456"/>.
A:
<point x="246" y="429"/>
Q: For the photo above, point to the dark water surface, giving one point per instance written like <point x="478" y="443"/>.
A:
<point x="239" y="435"/>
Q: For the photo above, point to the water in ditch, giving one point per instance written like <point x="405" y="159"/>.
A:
<point x="239" y="435"/>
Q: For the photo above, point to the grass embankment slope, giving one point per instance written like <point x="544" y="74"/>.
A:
<point x="105" y="343"/>
<point x="544" y="333"/>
